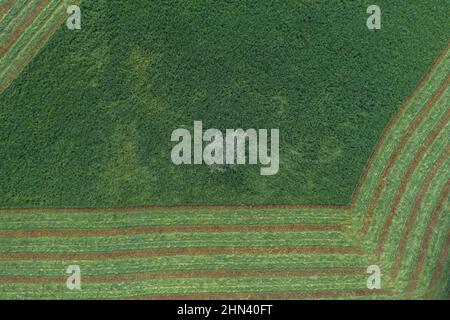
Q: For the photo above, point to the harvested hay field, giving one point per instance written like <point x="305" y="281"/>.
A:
<point x="87" y="177"/>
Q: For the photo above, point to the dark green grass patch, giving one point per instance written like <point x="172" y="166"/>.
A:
<point x="88" y="122"/>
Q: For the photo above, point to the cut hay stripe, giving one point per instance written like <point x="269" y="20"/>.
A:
<point x="33" y="232"/>
<point x="26" y="39"/>
<point x="173" y="240"/>
<point x="9" y="78"/>
<point x="393" y="122"/>
<point x="387" y="170"/>
<point x="174" y="286"/>
<point x="22" y="27"/>
<point x="284" y="295"/>
<point x="144" y="276"/>
<point x="441" y="262"/>
<point x="169" y="229"/>
<point x="117" y="220"/>
<point x="16" y="17"/>
<point x="426" y="239"/>
<point x="38" y="268"/>
<point x="160" y="252"/>
<point x="405" y="180"/>
<point x="17" y="69"/>
<point x="173" y="208"/>
<point x="412" y="217"/>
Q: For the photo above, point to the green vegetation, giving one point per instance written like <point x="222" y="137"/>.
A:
<point x="88" y="123"/>
<point x="107" y="147"/>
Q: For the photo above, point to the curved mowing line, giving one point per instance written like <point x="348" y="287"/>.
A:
<point x="22" y="27"/>
<point x="41" y="23"/>
<point x="426" y="239"/>
<point x="394" y="120"/>
<point x="144" y="276"/>
<point x="169" y="229"/>
<point x="146" y="253"/>
<point x="405" y="180"/>
<point x="7" y="81"/>
<point x="441" y="262"/>
<point x="412" y="217"/>
<point x="20" y="9"/>
<point x="284" y="295"/>
<point x="18" y="68"/>
<point x="387" y="170"/>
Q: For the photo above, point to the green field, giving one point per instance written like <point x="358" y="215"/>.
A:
<point x="88" y="122"/>
<point x="86" y="177"/>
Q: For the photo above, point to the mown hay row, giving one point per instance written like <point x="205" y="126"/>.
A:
<point x="344" y="284"/>
<point x="239" y="262"/>
<point x="27" y="34"/>
<point x="396" y="184"/>
<point x="411" y="132"/>
<point x="397" y="128"/>
<point x="25" y="42"/>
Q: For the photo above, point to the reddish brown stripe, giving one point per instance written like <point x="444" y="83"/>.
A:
<point x="413" y="216"/>
<point x="22" y="27"/>
<point x="145" y="253"/>
<point x="17" y="69"/>
<point x="169" y="229"/>
<point x="426" y="239"/>
<point x="144" y="276"/>
<point x="387" y="170"/>
<point x="38" y="30"/>
<point x="405" y="180"/>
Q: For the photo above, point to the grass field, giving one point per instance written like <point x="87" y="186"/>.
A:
<point x="349" y="194"/>
<point x="120" y="86"/>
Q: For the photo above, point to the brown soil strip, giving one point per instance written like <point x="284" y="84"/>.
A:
<point x="43" y="24"/>
<point x="161" y="252"/>
<point x="6" y="7"/>
<point x="403" y="107"/>
<point x="426" y="239"/>
<point x="169" y="229"/>
<point x="387" y="170"/>
<point x="405" y="181"/>
<point x="189" y="274"/>
<point x="415" y="211"/>
<point x="17" y="69"/>
<point x="22" y="27"/>
<point x="284" y="295"/>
